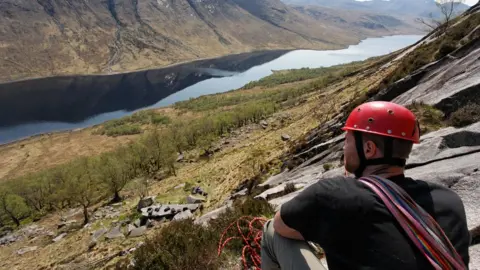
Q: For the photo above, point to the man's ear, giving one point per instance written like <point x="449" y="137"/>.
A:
<point x="370" y="149"/>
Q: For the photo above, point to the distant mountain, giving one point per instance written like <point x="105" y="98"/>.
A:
<point x="391" y="7"/>
<point x="60" y="37"/>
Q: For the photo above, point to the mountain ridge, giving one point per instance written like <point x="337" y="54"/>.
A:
<point x="52" y="37"/>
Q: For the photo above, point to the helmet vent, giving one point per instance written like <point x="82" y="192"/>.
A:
<point x="390" y="112"/>
<point x="370" y="120"/>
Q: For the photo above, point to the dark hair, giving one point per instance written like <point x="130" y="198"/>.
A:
<point x="401" y="148"/>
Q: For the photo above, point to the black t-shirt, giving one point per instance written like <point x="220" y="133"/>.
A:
<point x="356" y="230"/>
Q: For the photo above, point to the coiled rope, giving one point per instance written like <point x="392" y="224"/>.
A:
<point x="250" y="239"/>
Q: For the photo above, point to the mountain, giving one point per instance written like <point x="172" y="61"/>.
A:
<point x="393" y="7"/>
<point x="59" y="37"/>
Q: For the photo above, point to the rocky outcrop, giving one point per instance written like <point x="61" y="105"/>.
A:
<point x="451" y="82"/>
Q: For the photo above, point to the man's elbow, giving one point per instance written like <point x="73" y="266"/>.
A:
<point x="282" y="229"/>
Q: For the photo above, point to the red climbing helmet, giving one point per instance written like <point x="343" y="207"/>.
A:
<point x="385" y="119"/>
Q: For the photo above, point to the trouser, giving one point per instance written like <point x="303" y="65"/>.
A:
<point x="282" y="253"/>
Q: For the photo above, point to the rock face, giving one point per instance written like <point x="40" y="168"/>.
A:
<point x="168" y="211"/>
<point x="60" y="237"/>
<point x="450" y="83"/>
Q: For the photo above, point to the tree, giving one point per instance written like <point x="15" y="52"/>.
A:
<point x="84" y="186"/>
<point x="13" y="206"/>
<point x="447" y="13"/>
<point x="114" y="174"/>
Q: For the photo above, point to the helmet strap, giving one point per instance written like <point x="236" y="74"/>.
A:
<point x="388" y="158"/>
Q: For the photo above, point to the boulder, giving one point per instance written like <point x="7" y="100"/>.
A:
<point x="194" y="200"/>
<point x="26" y="249"/>
<point x="130" y="228"/>
<point x="183" y="215"/>
<point x="264" y="124"/>
<point x="136" y="232"/>
<point x="137" y="223"/>
<point x="167" y="211"/>
<point x="99" y="233"/>
<point x="115" y="232"/>
<point x="180" y="186"/>
<point x="203" y="220"/>
<point x="286" y="137"/>
<point x="59" y="237"/>
<point x="145" y="202"/>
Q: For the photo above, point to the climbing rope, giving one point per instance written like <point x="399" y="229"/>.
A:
<point x="251" y="240"/>
<point x="421" y="228"/>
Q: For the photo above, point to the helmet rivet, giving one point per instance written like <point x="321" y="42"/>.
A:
<point x="368" y="128"/>
<point x="389" y="131"/>
<point x="390" y="111"/>
<point x="355" y="126"/>
<point x="370" y="120"/>
<point x="404" y="134"/>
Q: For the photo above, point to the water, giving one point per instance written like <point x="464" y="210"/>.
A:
<point x="56" y="104"/>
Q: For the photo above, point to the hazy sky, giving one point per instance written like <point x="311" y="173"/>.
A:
<point x="471" y="2"/>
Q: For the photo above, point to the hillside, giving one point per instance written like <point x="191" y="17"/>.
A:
<point x="411" y="8"/>
<point x="57" y="37"/>
<point x="268" y="141"/>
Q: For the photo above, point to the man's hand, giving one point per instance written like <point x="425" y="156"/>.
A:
<point x="285" y="231"/>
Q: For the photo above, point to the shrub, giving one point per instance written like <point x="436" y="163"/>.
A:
<point x="466" y="115"/>
<point x="123" y="130"/>
<point x="430" y="118"/>
<point x="327" y="166"/>
<point x="185" y="245"/>
<point x="289" y="188"/>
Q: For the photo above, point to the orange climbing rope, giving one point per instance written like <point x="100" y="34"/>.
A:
<point x="251" y="240"/>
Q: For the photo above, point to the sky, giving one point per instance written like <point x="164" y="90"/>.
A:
<point x="471" y="2"/>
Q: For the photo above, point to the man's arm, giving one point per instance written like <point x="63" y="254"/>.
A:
<point x="285" y="231"/>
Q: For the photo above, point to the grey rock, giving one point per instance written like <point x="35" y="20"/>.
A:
<point x="99" y="233"/>
<point x="145" y="202"/>
<point x="180" y="186"/>
<point x="10" y="238"/>
<point x="180" y="157"/>
<point x="167" y="211"/>
<point x="447" y="81"/>
<point x="136" y="232"/>
<point x="241" y="193"/>
<point x="183" y="215"/>
<point x="137" y="223"/>
<point x="273" y="192"/>
<point x="59" y="237"/>
<point x="203" y="220"/>
<point x="264" y="124"/>
<point x="286" y="137"/>
<point x="194" y="200"/>
<point x="26" y="249"/>
<point x="131" y="228"/>
<point x="115" y="232"/>
<point x="92" y="244"/>
<point x="446" y="143"/>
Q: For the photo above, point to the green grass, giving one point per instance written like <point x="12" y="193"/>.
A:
<point x="430" y="118"/>
<point x="131" y="125"/>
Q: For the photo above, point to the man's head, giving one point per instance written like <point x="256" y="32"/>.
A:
<point x="379" y="133"/>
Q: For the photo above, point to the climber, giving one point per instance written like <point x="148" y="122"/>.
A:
<point x="350" y="221"/>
